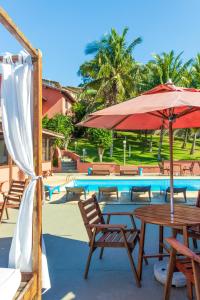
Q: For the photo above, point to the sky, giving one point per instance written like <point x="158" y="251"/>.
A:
<point x="62" y="29"/>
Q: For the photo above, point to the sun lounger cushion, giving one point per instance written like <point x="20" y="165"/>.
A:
<point x="10" y="280"/>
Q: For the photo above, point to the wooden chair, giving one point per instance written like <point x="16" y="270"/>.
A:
<point x="189" y="266"/>
<point x="100" y="170"/>
<point x="128" y="170"/>
<point x="189" y="168"/>
<point x="103" y="235"/>
<point x="108" y="191"/>
<point x="81" y="190"/>
<point x="12" y="198"/>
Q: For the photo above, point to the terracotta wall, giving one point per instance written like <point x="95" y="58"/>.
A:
<point x="54" y="103"/>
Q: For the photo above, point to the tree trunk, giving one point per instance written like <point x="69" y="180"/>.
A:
<point x="100" y="152"/>
<point x="160" y="142"/>
<point x="193" y="143"/>
<point x="185" y="139"/>
<point x="150" y="143"/>
<point x="111" y="146"/>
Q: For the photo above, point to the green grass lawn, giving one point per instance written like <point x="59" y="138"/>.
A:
<point x="140" y="154"/>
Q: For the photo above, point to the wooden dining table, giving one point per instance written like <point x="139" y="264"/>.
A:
<point x="159" y="214"/>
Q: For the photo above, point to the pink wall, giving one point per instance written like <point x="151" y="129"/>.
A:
<point x="54" y="102"/>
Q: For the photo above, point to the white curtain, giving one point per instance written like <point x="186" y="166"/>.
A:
<point x="17" y="121"/>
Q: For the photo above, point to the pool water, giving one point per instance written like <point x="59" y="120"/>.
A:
<point x="125" y="184"/>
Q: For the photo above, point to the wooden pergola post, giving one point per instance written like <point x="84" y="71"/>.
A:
<point x="36" y="55"/>
<point x="37" y="139"/>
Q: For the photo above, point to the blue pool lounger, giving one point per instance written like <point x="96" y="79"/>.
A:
<point x="51" y="189"/>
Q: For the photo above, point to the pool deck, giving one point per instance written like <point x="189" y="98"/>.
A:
<point x="67" y="250"/>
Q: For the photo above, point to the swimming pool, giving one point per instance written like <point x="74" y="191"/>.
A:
<point x="125" y="184"/>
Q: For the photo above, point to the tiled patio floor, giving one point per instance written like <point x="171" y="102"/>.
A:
<point x="67" y="249"/>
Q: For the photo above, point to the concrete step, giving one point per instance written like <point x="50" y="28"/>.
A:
<point x="69" y="166"/>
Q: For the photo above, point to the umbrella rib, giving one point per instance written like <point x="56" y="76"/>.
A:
<point x="116" y="124"/>
<point x="187" y="111"/>
<point x="158" y="114"/>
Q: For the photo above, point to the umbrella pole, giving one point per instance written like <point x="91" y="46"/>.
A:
<point x="171" y="168"/>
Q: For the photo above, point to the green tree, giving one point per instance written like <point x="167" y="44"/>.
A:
<point x="60" y="124"/>
<point x="165" y="67"/>
<point x="101" y="138"/>
<point x="112" y="72"/>
<point x="195" y="72"/>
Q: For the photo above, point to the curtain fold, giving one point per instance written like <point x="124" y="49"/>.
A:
<point x="17" y="117"/>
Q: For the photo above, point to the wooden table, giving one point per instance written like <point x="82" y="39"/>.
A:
<point x="184" y="217"/>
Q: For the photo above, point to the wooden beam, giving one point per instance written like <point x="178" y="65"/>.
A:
<point x="8" y="23"/>
<point x="37" y="142"/>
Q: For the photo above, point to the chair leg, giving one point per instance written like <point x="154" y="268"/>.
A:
<point x="134" y="270"/>
<point x="7" y="215"/>
<point x="133" y="266"/>
<point x="166" y="197"/>
<point x="184" y="193"/>
<point x="131" y="196"/>
<point x="66" y="196"/>
<point x="101" y="253"/>
<point x="170" y="271"/>
<point x="189" y="290"/>
<point x="149" y="196"/>
<point x="88" y="262"/>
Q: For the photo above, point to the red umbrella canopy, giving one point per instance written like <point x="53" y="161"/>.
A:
<point x="151" y="110"/>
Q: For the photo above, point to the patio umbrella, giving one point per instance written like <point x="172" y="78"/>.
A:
<point x="166" y="106"/>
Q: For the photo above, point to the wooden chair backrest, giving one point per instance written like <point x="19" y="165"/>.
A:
<point x="91" y="214"/>
<point x="17" y="188"/>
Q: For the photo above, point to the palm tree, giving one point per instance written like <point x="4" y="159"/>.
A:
<point x="195" y="72"/>
<point x="166" y="67"/>
<point x="112" y="72"/>
<point x="163" y="68"/>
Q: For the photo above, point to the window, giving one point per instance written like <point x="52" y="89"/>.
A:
<point x="66" y="104"/>
<point x="46" y="149"/>
<point x="3" y="152"/>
